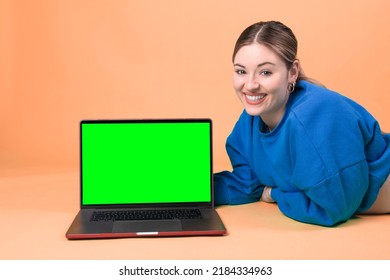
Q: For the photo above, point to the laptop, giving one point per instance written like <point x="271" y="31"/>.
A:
<point x="144" y="178"/>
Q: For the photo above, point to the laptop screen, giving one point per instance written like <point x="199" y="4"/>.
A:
<point x="145" y="161"/>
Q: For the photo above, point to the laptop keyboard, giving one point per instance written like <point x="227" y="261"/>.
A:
<point x="161" y="214"/>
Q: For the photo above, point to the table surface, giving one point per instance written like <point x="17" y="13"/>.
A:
<point x="38" y="205"/>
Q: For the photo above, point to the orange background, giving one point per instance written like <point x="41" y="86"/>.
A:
<point x="63" y="61"/>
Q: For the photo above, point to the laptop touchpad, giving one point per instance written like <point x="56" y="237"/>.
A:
<point x="147" y="226"/>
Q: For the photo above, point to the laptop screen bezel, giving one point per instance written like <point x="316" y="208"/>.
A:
<point x="146" y="205"/>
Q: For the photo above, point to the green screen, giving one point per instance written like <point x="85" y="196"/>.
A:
<point x="126" y="163"/>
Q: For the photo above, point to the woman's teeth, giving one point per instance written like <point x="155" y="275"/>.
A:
<point x="255" y="97"/>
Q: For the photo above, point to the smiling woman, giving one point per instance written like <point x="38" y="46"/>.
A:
<point x="319" y="155"/>
<point x="262" y="82"/>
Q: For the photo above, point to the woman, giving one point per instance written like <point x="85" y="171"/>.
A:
<point x="320" y="156"/>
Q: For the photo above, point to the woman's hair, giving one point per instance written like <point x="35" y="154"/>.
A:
<point x="277" y="37"/>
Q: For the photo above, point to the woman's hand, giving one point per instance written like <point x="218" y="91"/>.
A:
<point x="266" y="195"/>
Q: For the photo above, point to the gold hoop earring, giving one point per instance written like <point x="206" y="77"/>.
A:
<point x="291" y="87"/>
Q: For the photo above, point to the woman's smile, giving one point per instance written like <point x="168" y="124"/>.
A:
<point x="253" y="99"/>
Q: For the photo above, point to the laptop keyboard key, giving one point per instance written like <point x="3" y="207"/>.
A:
<point x="164" y="214"/>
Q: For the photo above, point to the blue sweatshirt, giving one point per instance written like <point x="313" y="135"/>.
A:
<point x="325" y="161"/>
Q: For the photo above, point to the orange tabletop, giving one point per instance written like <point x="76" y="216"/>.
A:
<point x="37" y="207"/>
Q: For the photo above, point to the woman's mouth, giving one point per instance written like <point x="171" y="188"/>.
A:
<point x="254" y="99"/>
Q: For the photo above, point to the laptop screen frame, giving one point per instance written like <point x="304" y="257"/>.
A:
<point x="147" y="205"/>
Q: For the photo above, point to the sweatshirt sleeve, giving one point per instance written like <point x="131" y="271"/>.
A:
<point x="332" y="201"/>
<point x="240" y="185"/>
<point x="332" y="160"/>
<point x="237" y="187"/>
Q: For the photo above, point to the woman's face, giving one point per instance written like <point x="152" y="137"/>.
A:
<point x="261" y="81"/>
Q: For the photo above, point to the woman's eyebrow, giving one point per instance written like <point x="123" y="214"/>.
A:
<point x="265" y="63"/>
<point x="238" y="65"/>
<point x="258" y="65"/>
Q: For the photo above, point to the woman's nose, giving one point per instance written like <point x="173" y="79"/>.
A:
<point x="252" y="85"/>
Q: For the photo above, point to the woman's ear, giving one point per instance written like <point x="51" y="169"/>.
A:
<point x="294" y="71"/>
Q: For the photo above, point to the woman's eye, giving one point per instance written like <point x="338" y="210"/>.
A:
<point x="240" y="72"/>
<point x="265" y="73"/>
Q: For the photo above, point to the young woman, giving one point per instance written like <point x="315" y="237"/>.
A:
<point x="319" y="155"/>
